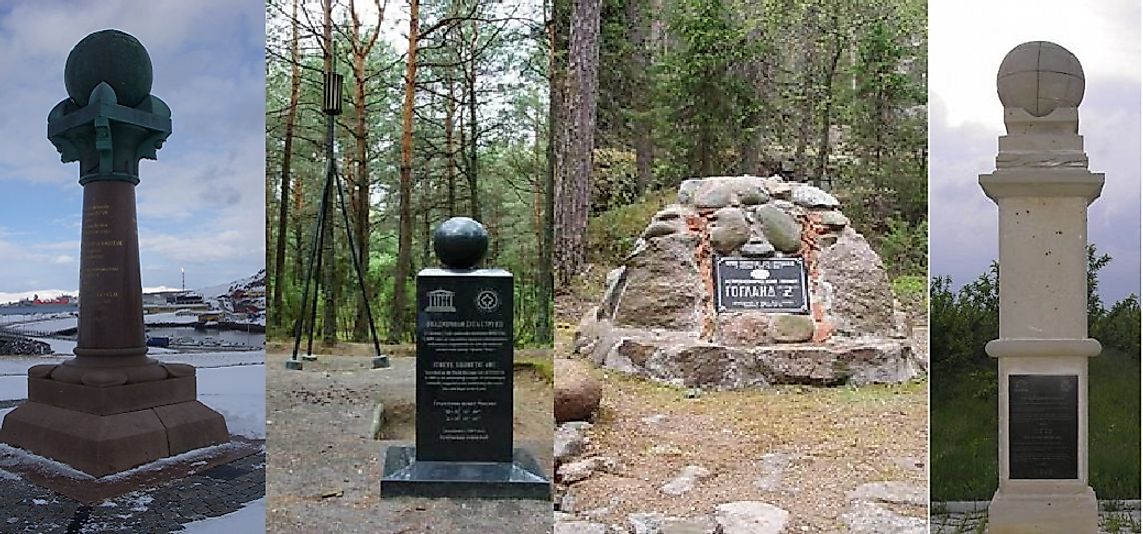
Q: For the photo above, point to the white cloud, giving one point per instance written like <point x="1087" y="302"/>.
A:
<point x="208" y="182"/>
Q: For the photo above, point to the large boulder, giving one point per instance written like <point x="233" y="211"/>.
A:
<point x="860" y="300"/>
<point x="661" y="286"/>
<point x="577" y="391"/>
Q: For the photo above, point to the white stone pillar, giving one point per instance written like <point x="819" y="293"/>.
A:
<point x="1042" y="188"/>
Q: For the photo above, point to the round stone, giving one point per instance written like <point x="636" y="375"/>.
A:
<point x="460" y="242"/>
<point x="1039" y="77"/>
<point x="109" y="56"/>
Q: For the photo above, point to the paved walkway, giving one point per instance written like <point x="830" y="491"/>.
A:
<point x="1115" y="517"/>
<point x="26" y="507"/>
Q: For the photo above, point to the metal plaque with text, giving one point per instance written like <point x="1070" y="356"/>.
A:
<point x="775" y="285"/>
<point x="1043" y="426"/>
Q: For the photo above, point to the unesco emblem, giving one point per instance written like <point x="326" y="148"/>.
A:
<point x="440" y="301"/>
<point x="487" y="300"/>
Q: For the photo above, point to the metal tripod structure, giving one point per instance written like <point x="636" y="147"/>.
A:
<point x="331" y="106"/>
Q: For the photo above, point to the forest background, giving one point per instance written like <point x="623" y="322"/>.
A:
<point x="445" y="114"/>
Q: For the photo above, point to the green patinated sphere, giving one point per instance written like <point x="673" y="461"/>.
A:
<point x="460" y="242"/>
<point x="109" y="56"/>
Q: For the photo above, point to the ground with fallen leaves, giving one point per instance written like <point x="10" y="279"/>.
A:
<point x="799" y="448"/>
<point x="324" y="468"/>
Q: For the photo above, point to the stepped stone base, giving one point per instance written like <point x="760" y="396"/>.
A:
<point x="100" y="445"/>
<point x="404" y="476"/>
<point x="1044" y="513"/>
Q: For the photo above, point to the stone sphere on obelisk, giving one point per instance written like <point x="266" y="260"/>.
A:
<point x="1042" y="188"/>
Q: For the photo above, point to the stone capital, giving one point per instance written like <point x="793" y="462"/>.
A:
<point x="1042" y="182"/>
<point x="108" y="139"/>
<point x="1011" y="348"/>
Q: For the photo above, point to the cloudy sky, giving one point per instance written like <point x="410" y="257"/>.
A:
<point x="201" y="204"/>
<point x="968" y="39"/>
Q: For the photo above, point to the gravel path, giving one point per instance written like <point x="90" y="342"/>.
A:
<point x="324" y="467"/>
<point x="805" y="450"/>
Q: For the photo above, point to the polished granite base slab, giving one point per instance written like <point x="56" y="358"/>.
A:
<point x="404" y="476"/>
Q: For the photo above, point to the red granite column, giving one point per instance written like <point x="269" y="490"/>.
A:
<point x="111" y="407"/>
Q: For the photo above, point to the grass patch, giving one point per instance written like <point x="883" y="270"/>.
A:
<point x="964" y="430"/>
<point x="543" y="367"/>
<point x="1113" y="425"/>
<point x="879" y="392"/>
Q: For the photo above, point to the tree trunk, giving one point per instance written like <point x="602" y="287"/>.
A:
<point x="644" y="149"/>
<point x="574" y="156"/>
<point x="361" y="50"/>
<point x="397" y="319"/>
<point x="473" y="183"/>
<point x="806" y="113"/>
<point x="557" y="63"/>
<point x="450" y="148"/>
<point x="827" y="106"/>
<point x="287" y="155"/>
<point x="426" y="214"/>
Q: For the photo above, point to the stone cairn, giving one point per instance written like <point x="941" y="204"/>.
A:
<point x="658" y="317"/>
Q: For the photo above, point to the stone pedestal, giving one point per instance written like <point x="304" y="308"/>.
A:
<point x="1042" y="189"/>
<point x="111" y="407"/>
<point x="465" y="344"/>
<point x="1063" y="508"/>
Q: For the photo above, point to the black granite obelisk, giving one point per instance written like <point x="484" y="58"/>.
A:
<point x="464" y="382"/>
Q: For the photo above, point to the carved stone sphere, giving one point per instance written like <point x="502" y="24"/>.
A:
<point x="109" y="56"/>
<point x="1039" y="77"/>
<point x="460" y="242"/>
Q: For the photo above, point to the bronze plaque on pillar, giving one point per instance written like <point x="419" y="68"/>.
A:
<point x="1043" y="426"/>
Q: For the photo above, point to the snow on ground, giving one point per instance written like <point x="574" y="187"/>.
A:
<point x="13" y="387"/>
<point x="48" y="325"/>
<point x="170" y="318"/>
<point x="18" y="365"/>
<point x="48" y="466"/>
<point x="21" y="457"/>
<point x="239" y="394"/>
<point x="250" y="518"/>
<point x="222" y="289"/>
<point x="13" y="318"/>
<point x="59" y="346"/>
<point x="204" y="360"/>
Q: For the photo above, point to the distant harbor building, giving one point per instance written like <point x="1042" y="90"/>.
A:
<point x="189" y="297"/>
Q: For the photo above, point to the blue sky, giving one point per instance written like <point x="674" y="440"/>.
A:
<point x="201" y="204"/>
<point x="966" y="118"/>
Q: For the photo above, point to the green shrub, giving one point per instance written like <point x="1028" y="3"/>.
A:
<point x="904" y="247"/>
<point x="913" y="292"/>
<point x="613" y="179"/>
<point x="611" y="235"/>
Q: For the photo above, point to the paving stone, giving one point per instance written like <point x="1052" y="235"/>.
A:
<point x="26" y="507"/>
